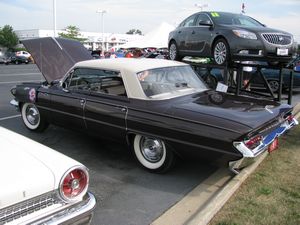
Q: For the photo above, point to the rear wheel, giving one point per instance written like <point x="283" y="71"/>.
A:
<point x="274" y="85"/>
<point x="32" y="118"/>
<point x="153" y="154"/>
<point x="211" y="81"/>
<point x="173" y="52"/>
<point x="221" y="52"/>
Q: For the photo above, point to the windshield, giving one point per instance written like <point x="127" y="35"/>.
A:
<point x="235" y="19"/>
<point x="170" y="82"/>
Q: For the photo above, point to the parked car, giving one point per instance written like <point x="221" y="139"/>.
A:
<point x="17" y="60"/>
<point x="214" y="75"/>
<point x="229" y="36"/>
<point x="23" y="53"/>
<point x="159" y="107"/>
<point x="40" y="185"/>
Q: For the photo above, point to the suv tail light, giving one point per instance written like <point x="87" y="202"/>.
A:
<point x="74" y="184"/>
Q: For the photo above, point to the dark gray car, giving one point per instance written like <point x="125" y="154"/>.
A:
<point x="228" y="36"/>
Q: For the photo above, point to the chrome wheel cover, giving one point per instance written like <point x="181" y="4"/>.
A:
<point x="152" y="149"/>
<point x="173" y="51"/>
<point x="32" y="115"/>
<point x="220" y="53"/>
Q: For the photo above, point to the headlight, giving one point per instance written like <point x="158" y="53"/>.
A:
<point x="245" y="34"/>
<point x="74" y="184"/>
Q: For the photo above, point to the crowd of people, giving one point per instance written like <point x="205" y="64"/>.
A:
<point x="131" y="53"/>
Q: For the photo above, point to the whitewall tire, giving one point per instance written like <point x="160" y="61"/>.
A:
<point x="32" y="118"/>
<point x="152" y="153"/>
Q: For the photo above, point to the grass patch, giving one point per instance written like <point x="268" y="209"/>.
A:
<point x="271" y="195"/>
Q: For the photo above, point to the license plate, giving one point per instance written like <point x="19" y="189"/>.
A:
<point x="273" y="146"/>
<point x="282" y="51"/>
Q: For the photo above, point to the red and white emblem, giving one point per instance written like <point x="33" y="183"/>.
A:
<point x="32" y="94"/>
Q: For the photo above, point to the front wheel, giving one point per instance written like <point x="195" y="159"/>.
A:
<point x="32" y="118"/>
<point x="153" y="154"/>
<point x="221" y="52"/>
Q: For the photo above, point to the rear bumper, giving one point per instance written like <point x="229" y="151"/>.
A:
<point x="249" y="156"/>
<point x="75" y="214"/>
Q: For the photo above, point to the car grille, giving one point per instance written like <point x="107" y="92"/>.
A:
<point x="277" y="39"/>
<point x="29" y="206"/>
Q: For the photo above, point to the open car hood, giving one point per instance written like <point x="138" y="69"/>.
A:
<point x="55" y="56"/>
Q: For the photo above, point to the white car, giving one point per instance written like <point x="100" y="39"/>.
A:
<point x="40" y="185"/>
<point x="23" y="53"/>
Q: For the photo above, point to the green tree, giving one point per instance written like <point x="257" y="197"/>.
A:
<point x="8" y="38"/>
<point x="134" y="31"/>
<point x="72" y="32"/>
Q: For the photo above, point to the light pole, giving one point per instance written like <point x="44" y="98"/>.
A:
<point x="54" y="18"/>
<point x="201" y="6"/>
<point x="102" y="13"/>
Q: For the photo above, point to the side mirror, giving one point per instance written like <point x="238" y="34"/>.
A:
<point x="64" y="87"/>
<point x="205" y="23"/>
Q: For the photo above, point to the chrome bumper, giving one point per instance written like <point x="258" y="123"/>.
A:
<point x="75" y="214"/>
<point x="249" y="156"/>
<point x="14" y="103"/>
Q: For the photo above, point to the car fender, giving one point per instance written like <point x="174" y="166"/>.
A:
<point x="27" y="92"/>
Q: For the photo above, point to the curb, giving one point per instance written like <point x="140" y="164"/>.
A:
<point x="214" y="206"/>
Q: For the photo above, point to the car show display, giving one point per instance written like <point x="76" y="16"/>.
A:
<point x="40" y="185"/>
<point x="161" y="108"/>
<point x="226" y="37"/>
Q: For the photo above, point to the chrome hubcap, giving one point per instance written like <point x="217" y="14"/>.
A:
<point x="220" y="53"/>
<point x="173" y="52"/>
<point x="152" y="149"/>
<point x="32" y="115"/>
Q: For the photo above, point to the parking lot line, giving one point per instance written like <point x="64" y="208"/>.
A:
<point x="9" y="117"/>
<point x="18" y="74"/>
<point x="18" y="81"/>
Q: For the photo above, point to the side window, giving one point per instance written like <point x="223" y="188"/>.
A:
<point x="97" y="81"/>
<point x="189" y="22"/>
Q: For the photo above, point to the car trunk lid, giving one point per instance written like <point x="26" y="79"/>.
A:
<point x="236" y="113"/>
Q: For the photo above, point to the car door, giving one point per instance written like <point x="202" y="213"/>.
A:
<point x="183" y="32"/>
<point x="200" y="36"/>
<point x="105" y="107"/>
<point x="67" y="102"/>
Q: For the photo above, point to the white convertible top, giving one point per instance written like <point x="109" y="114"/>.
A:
<point x="129" y="64"/>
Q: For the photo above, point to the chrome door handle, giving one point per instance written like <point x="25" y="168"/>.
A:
<point x="82" y="101"/>
<point x="123" y="109"/>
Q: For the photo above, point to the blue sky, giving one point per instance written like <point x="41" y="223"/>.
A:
<point x="145" y="15"/>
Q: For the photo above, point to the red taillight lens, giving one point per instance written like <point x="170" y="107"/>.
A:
<point x="74" y="184"/>
<point x="253" y="142"/>
<point x="290" y="118"/>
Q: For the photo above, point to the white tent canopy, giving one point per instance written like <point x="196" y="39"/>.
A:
<point x="157" y="38"/>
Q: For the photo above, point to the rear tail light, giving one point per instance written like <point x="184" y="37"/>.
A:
<point x="253" y="142"/>
<point x="74" y="184"/>
<point x="290" y="118"/>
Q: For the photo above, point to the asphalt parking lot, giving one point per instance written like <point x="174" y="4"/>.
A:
<point x="126" y="193"/>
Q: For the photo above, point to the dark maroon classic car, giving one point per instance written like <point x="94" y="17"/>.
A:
<point x="161" y="108"/>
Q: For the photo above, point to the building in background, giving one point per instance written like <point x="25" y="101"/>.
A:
<point x="93" y="42"/>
